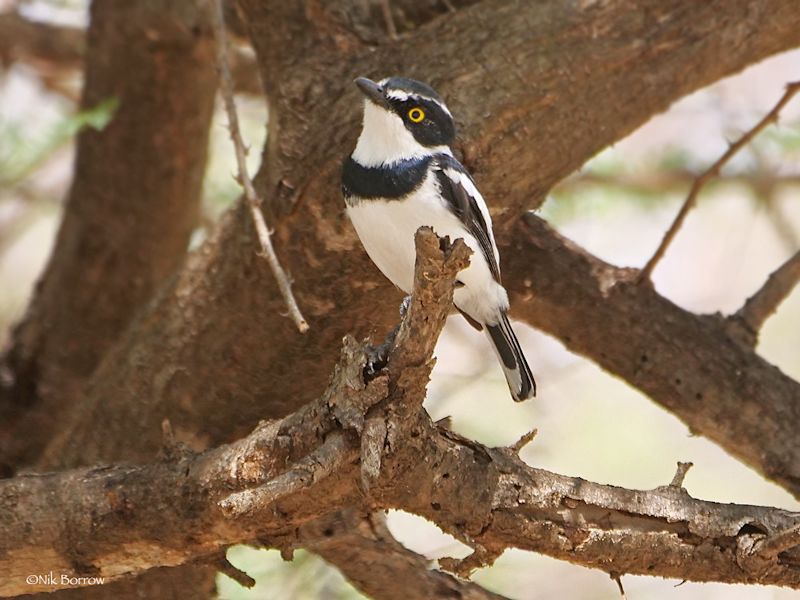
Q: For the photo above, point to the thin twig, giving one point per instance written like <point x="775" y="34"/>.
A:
<point x="712" y="171"/>
<point x="524" y="440"/>
<point x="766" y="300"/>
<point x="618" y="580"/>
<point x="391" y="28"/>
<point x="223" y="565"/>
<point x="253" y="200"/>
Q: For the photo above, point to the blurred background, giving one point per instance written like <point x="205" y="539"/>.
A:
<point x="618" y="206"/>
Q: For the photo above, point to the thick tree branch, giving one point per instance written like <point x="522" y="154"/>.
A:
<point x="130" y="211"/>
<point x="761" y="305"/>
<point x="58" y="50"/>
<point x="207" y="332"/>
<point x="687" y="363"/>
<point x="364" y="550"/>
<point x="114" y="522"/>
<point x="41" y="43"/>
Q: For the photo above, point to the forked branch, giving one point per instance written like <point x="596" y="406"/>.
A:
<point x="758" y="307"/>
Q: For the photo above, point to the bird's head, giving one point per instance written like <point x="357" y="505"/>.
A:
<point x="403" y="119"/>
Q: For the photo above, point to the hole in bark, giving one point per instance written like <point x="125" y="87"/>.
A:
<point x="414" y="433"/>
<point x="752" y="529"/>
<point x="678" y="381"/>
<point x="327" y="532"/>
<point x="698" y="396"/>
<point x="445" y="475"/>
<point x="644" y="358"/>
<point x="436" y="506"/>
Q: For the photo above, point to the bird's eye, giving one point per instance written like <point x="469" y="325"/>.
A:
<point x="416" y="114"/>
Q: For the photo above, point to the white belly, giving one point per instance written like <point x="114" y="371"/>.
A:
<point x="387" y="227"/>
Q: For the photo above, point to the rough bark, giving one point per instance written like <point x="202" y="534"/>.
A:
<point x="214" y="339"/>
<point x="118" y="521"/>
<point x="363" y="549"/>
<point x="203" y="344"/>
<point x="132" y="206"/>
<point x="688" y="363"/>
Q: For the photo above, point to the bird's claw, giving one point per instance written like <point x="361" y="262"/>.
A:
<point x="404" y="306"/>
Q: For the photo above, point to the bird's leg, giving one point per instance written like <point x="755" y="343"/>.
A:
<point x="378" y="356"/>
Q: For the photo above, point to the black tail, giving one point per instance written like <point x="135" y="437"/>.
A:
<point x="518" y="373"/>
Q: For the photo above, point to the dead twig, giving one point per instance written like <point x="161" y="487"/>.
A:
<point x="708" y="174"/>
<point x="524" y="440"/>
<point x="391" y="28"/>
<point x="253" y="200"/>
<point x="224" y="566"/>
<point x="680" y="474"/>
<point x="758" y="307"/>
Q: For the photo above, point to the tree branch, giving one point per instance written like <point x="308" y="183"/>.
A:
<point x="131" y="209"/>
<point x="687" y="363"/>
<point x="213" y="321"/>
<point x="56" y="46"/>
<point x="58" y="50"/>
<point x="758" y="307"/>
<point x="253" y="201"/>
<point x="115" y="522"/>
<point x="364" y="550"/>
<point x="713" y="171"/>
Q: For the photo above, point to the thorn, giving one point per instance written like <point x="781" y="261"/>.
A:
<point x="617" y="577"/>
<point x="445" y="423"/>
<point x="524" y="441"/>
<point x="287" y="554"/>
<point x="235" y="573"/>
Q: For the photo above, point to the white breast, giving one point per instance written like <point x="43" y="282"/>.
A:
<point x="387" y="228"/>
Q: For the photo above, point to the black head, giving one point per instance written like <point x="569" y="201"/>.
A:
<point x="421" y="109"/>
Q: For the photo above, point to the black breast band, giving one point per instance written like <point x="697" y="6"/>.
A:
<point x="392" y="181"/>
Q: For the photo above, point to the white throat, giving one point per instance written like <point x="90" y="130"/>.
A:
<point x="384" y="139"/>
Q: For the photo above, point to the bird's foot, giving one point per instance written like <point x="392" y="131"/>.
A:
<point x="378" y="356"/>
<point x="404" y="306"/>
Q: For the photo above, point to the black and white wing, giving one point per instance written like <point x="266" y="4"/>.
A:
<point x="459" y="190"/>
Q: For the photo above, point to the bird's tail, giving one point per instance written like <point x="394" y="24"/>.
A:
<point x="518" y="373"/>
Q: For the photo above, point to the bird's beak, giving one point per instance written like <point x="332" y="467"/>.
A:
<point x="372" y="91"/>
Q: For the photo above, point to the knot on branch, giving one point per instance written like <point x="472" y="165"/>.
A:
<point x="759" y="554"/>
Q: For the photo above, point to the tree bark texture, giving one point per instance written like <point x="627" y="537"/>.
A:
<point x="217" y="335"/>
<point x="289" y="476"/>
<point x="132" y="206"/>
<point x="200" y="339"/>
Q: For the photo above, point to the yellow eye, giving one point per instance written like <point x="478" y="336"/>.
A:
<point x="416" y="114"/>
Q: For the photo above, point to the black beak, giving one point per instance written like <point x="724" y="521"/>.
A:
<point x="372" y="91"/>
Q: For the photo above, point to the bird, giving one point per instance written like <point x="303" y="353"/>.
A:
<point x="403" y="175"/>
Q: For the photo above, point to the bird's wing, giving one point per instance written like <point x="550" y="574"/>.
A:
<point x="459" y="190"/>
